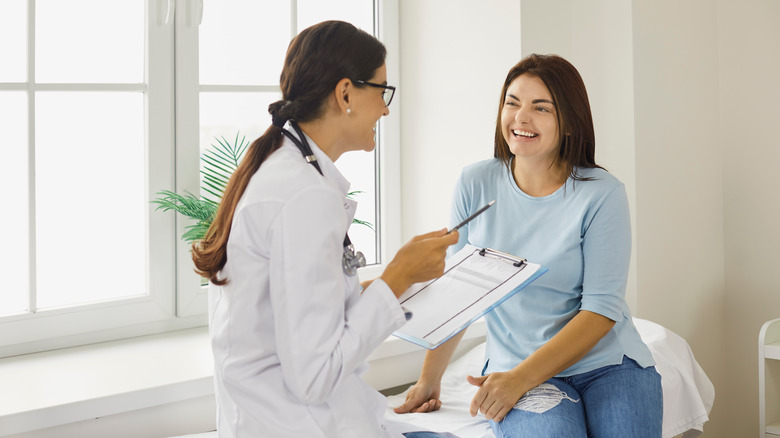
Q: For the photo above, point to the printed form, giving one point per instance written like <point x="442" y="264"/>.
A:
<point x="475" y="281"/>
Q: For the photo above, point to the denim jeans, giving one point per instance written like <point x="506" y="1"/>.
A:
<point x="614" y="401"/>
<point x="429" y="435"/>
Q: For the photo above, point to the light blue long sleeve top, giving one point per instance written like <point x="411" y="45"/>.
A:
<point x="582" y="233"/>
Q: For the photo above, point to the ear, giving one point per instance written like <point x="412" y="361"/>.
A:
<point x="343" y="94"/>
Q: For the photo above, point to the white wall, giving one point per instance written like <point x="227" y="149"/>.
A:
<point x="454" y="58"/>
<point x="679" y="177"/>
<point x="684" y="96"/>
<point x="596" y="37"/>
<point x="749" y="68"/>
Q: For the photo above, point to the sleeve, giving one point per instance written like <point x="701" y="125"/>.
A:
<point x="606" y="247"/>
<point x="319" y="339"/>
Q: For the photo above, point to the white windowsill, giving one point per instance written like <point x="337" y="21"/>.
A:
<point x="75" y="384"/>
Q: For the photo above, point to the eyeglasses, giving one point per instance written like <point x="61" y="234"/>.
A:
<point x="387" y="97"/>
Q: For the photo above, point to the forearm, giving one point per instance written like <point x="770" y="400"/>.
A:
<point x="436" y="360"/>
<point x="565" y="349"/>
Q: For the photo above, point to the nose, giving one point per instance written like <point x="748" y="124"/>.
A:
<point x="386" y="111"/>
<point x="522" y="115"/>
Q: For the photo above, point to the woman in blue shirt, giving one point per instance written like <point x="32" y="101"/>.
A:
<point x="563" y="358"/>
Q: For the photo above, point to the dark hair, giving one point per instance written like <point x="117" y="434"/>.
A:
<point x="317" y="59"/>
<point x="575" y="122"/>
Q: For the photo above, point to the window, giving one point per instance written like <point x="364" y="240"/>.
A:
<point x="101" y="111"/>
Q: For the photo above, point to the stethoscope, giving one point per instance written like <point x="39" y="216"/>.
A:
<point x="351" y="260"/>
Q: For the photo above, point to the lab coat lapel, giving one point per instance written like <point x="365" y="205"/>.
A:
<point x="334" y="178"/>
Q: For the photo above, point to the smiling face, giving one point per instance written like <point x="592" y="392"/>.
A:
<point x="366" y="107"/>
<point x="529" y="121"/>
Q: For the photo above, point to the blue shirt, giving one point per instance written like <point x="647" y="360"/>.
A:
<point x="582" y="233"/>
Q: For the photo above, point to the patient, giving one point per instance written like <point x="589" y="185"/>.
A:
<point x="563" y="358"/>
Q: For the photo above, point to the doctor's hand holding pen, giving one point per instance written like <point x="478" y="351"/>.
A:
<point x="431" y="264"/>
<point x="421" y="259"/>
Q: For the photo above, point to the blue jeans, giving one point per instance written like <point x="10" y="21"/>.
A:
<point x="429" y="435"/>
<point x="614" y="401"/>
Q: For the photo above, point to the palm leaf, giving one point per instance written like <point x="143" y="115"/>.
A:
<point x="187" y="205"/>
<point x="360" y="222"/>
<point x="218" y="165"/>
<point x="351" y="195"/>
<point x="196" y="232"/>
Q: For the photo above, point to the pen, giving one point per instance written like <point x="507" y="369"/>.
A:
<point x="468" y="219"/>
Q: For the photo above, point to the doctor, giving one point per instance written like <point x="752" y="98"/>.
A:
<point x="290" y="325"/>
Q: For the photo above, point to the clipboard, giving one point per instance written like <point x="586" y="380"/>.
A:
<point x="475" y="281"/>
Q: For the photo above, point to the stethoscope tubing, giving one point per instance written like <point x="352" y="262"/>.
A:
<point x="351" y="260"/>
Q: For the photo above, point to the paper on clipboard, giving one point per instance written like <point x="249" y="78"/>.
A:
<point x="475" y="281"/>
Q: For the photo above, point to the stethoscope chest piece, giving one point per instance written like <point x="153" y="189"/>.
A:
<point x="352" y="260"/>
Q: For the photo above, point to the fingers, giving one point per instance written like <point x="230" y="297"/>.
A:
<point x="476" y="381"/>
<point x="492" y="409"/>
<point x="480" y="396"/>
<point x="420" y="398"/>
<point x="429" y="406"/>
<point x="420" y="259"/>
<point x="486" y="401"/>
<point x="477" y="401"/>
<point x="496" y="412"/>
<point x="445" y="239"/>
<point x="410" y="406"/>
<point x="430" y="235"/>
<point x="404" y="408"/>
<point x="502" y="413"/>
<point x="412" y="402"/>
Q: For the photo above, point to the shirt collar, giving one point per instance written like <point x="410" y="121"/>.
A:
<point x="329" y="169"/>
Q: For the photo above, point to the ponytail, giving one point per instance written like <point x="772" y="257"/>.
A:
<point x="210" y="254"/>
<point x="317" y="59"/>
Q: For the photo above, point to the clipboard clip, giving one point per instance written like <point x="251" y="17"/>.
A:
<point x="516" y="261"/>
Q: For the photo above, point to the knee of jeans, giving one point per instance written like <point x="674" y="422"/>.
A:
<point x="543" y="398"/>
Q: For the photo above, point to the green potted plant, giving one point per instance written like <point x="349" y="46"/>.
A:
<point x="219" y="163"/>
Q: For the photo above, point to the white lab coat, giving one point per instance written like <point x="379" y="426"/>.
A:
<point x="291" y="331"/>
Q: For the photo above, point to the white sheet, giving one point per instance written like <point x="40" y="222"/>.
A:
<point x="688" y="393"/>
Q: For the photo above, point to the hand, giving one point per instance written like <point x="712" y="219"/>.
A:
<point x="497" y="395"/>
<point x="421" y="398"/>
<point x="421" y="259"/>
<point x="365" y="284"/>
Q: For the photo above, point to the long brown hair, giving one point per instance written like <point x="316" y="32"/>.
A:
<point x="317" y="59"/>
<point x="575" y="122"/>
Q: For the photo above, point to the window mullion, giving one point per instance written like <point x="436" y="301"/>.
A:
<point x="160" y="138"/>
<point x="240" y="88"/>
<point x="32" y="248"/>
<point x="190" y="299"/>
<point x="96" y="321"/>
<point x="390" y="136"/>
<point x="293" y="18"/>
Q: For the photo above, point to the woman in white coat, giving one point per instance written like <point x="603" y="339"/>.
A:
<point x="290" y="325"/>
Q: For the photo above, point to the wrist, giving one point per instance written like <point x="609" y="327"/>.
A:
<point x="522" y="378"/>
<point x="396" y="282"/>
<point x="429" y="380"/>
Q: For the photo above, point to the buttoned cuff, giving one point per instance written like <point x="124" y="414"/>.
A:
<point x="382" y="291"/>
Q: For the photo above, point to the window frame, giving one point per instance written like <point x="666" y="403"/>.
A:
<point x="191" y="294"/>
<point x="176" y="298"/>
<point x="81" y="324"/>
